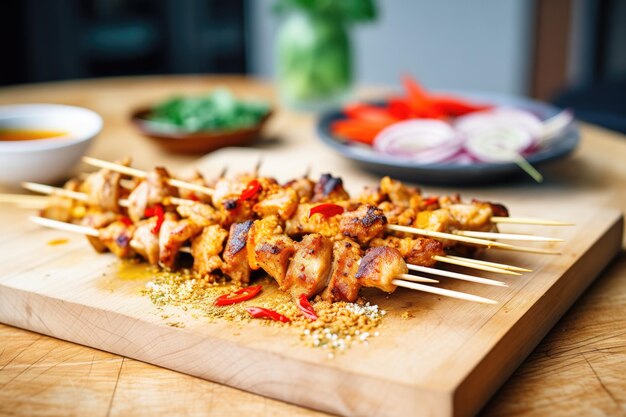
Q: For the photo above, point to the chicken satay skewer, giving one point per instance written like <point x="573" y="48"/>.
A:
<point x="405" y="283"/>
<point x="493" y="264"/>
<point x="134" y="172"/>
<point x="182" y="184"/>
<point x="47" y="189"/>
<point x="179" y="201"/>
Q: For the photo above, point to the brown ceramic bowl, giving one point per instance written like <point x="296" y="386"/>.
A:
<point x="197" y="142"/>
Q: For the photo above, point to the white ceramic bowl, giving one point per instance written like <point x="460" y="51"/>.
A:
<point x="45" y="160"/>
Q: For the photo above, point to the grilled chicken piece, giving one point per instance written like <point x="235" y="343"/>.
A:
<point x="235" y="256"/>
<point x="371" y="195"/>
<point x="277" y="200"/>
<point x="199" y="213"/>
<point x="379" y="267"/>
<point x="145" y="242"/>
<point x="103" y="190"/>
<point x="417" y="251"/>
<point x="439" y="220"/>
<point x="497" y="209"/>
<point x="227" y="189"/>
<point x="206" y="249"/>
<point x="329" y="189"/>
<point x="258" y="233"/>
<point x="363" y="224"/>
<point x="342" y="284"/>
<point x="116" y="237"/>
<point x="303" y="188"/>
<point x="300" y="223"/>
<point x="64" y="209"/>
<point x="198" y="179"/>
<point x="475" y="216"/>
<point x="309" y="269"/>
<point x="98" y="220"/>
<point x="397" y="214"/>
<point x="172" y="235"/>
<point x="400" y="194"/>
<point x="152" y="190"/>
<point x="273" y="254"/>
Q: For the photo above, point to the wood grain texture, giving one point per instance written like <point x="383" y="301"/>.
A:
<point x="595" y="175"/>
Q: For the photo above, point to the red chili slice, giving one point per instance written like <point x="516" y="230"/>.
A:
<point x="127" y="221"/>
<point x="251" y="191"/>
<point x="156" y="210"/>
<point x="326" y="210"/>
<point x="306" y="308"/>
<point x="238" y="296"/>
<point x="264" y="313"/>
<point x="431" y="200"/>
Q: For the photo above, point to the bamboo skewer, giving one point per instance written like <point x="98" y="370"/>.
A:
<point x="527" y="249"/>
<point x="505" y="236"/>
<point x="441" y="235"/>
<point x="529" y="220"/>
<point x="24" y="200"/>
<point x="47" y="189"/>
<point x="133" y="172"/>
<point x="473" y="265"/>
<point x="443" y="292"/>
<point x="456" y="275"/>
<point x="84" y="230"/>
<point x="494" y="264"/>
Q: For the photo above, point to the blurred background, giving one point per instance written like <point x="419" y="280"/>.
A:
<point x="569" y="52"/>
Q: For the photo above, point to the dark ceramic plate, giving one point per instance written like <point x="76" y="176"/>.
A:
<point x="452" y="174"/>
<point x="197" y="142"/>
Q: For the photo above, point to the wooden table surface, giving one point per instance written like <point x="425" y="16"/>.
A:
<point x="579" y="368"/>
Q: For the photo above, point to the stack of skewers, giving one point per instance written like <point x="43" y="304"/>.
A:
<point x="311" y="237"/>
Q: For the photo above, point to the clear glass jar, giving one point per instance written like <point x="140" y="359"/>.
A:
<point x="314" y="60"/>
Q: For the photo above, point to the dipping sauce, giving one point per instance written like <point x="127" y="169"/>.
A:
<point x="14" y="135"/>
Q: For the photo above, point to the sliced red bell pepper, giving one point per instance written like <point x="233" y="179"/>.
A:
<point x="251" y="191"/>
<point x="357" y="130"/>
<point x="369" y="113"/>
<point x="306" y="308"/>
<point x="326" y="210"/>
<point x="156" y="210"/>
<point x="456" y="107"/>
<point x="264" y="313"/>
<point x="238" y="296"/>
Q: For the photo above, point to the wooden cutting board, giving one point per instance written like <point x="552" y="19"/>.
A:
<point x="447" y="358"/>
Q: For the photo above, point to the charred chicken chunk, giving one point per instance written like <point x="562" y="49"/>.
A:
<point x="273" y="254"/>
<point x="417" y="251"/>
<point x="206" y="249"/>
<point x="363" y="224"/>
<point x="309" y="269"/>
<point x="329" y="189"/>
<point x="258" y="233"/>
<point x="300" y="223"/>
<point x="303" y="188"/>
<point x="235" y="256"/>
<point x="172" y="235"/>
<point x="379" y="267"/>
<point x="98" y="220"/>
<point x="145" y="241"/>
<point x="103" y="190"/>
<point x="400" y="194"/>
<point x="152" y="190"/>
<point x="199" y="213"/>
<point x="116" y="237"/>
<point x="279" y="201"/>
<point x="64" y="209"/>
<point x="342" y="284"/>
